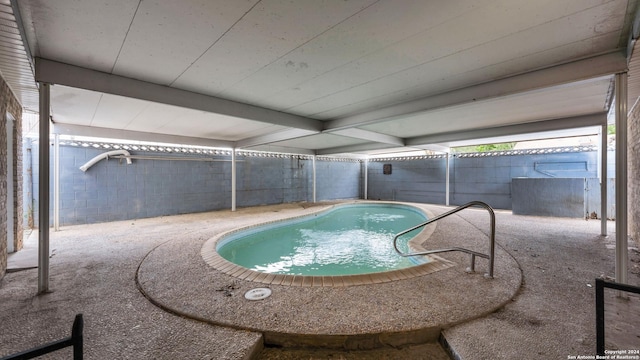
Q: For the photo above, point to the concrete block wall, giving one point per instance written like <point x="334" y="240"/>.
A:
<point x="484" y="178"/>
<point x="112" y="190"/>
<point x="592" y="198"/>
<point x="10" y="110"/>
<point x="271" y="180"/>
<point x="338" y="179"/>
<point x="568" y="197"/>
<point x="633" y="158"/>
<point x="488" y="178"/>
<point x="420" y="180"/>
<point x="563" y="197"/>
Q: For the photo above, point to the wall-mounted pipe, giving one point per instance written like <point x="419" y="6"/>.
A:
<point x="169" y="158"/>
<point x="105" y="155"/>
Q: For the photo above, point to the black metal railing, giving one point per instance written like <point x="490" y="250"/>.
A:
<point x="75" y="340"/>
<point x="600" y="285"/>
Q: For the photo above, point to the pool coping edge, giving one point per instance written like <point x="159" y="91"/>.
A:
<point x="211" y="256"/>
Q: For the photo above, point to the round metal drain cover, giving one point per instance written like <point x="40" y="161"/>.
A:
<point x="257" y="294"/>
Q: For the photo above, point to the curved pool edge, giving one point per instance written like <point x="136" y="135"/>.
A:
<point x="405" y="312"/>
<point x="211" y="256"/>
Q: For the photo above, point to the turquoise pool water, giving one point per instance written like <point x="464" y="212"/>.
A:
<point x="345" y="240"/>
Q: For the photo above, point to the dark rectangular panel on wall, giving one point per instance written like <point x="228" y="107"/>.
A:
<point x="562" y="197"/>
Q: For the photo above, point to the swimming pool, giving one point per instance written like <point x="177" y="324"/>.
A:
<point x="345" y="240"/>
<point x="407" y="269"/>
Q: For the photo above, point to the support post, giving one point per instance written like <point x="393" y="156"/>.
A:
<point x="56" y="182"/>
<point x="599" y="316"/>
<point x="313" y="166"/>
<point x="233" y="179"/>
<point x="366" y="178"/>
<point x="603" y="180"/>
<point x="621" y="178"/>
<point x="43" y="191"/>
<point x="446" y="180"/>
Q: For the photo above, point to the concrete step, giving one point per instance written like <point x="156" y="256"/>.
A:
<point x="27" y="257"/>
<point x="431" y="351"/>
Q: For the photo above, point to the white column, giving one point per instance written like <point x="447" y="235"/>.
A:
<point x="603" y="180"/>
<point x="446" y="189"/>
<point x="366" y="178"/>
<point x="313" y="166"/>
<point x="233" y="180"/>
<point x="43" y="192"/>
<point x="56" y="182"/>
<point x="622" y="255"/>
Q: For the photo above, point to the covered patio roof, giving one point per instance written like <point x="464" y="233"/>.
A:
<point x="358" y="77"/>
<point x="322" y="77"/>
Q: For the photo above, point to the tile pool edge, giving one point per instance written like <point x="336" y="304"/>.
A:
<point x="212" y="258"/>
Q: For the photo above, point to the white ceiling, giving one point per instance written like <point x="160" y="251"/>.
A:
<point x="326" y="76"/>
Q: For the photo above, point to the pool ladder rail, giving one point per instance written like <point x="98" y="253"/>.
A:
<point x="472" y="267"/>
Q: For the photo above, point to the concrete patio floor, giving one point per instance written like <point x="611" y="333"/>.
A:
<point x="94" y="267"/>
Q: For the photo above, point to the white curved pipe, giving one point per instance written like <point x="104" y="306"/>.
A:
<point x="90" y="163"/>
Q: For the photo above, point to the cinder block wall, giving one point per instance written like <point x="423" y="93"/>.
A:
<point x="9" y="105"/>
<point x="559" y="197"/>
<point x="484" y="178"/>
<point x="112" y="190"/>
<point x="488" y="179"/>
<point x="269" y="180"/>
<point x="337" y="179"/>
<point x="419" y="180"/>
<point x="633" y="157"/>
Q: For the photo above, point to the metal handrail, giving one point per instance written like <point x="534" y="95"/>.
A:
<point x="75" y="340"/>
<point x="600" y="286"/>
<point x="492" y="238"/>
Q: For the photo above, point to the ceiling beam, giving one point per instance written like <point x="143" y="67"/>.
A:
<point x="90" y="131"/>
<point x="273" y="137"/>
<point x="526" y="128"/>
<point x="634" y="32"/>
<point x="354" y="148"/>
<point x="598" y="66"/>
<point x="297" y="133"/>
<point x="282" y="149"/>
<point x="434" y="147"/>
<point x="370" y="136"/>
<point x="437" y="142"/>
<point x="54" y="72"/>
<point x="555" y="134"/>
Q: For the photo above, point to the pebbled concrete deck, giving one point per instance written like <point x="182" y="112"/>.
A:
<point x="93" y="271"/>
<point x="352" y="316"/>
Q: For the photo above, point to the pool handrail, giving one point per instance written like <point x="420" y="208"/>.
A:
<point x="492" y="238"/>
